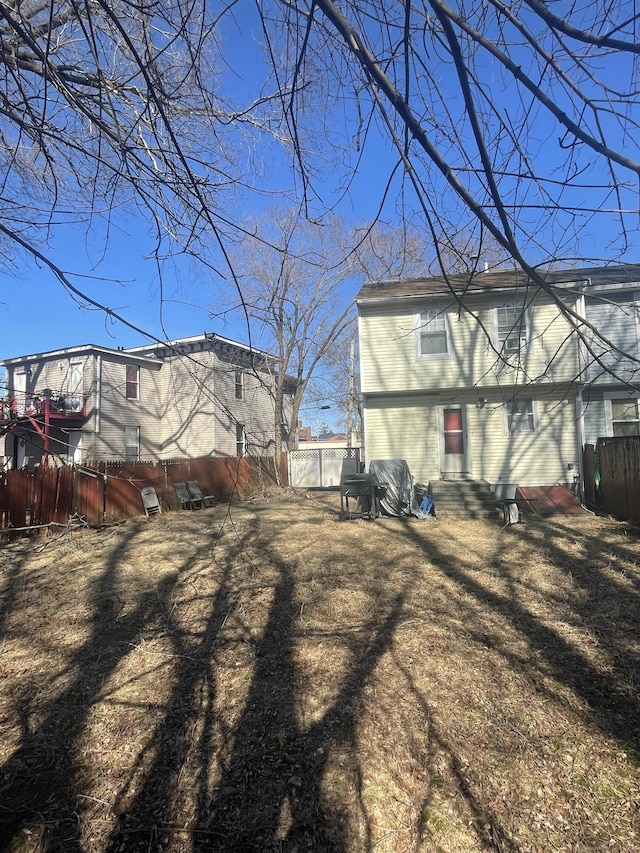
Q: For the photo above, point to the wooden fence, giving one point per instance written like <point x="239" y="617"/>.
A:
<point x="612" y="476"/>
<point x="107" y="491"/>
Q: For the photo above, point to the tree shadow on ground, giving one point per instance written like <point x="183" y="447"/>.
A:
<point x="612" y="693"/>
<point x="11" y="590"/>
<point x="270" y="796"/>
<point x="267" y="782"/>
<point x="40" y="780"/>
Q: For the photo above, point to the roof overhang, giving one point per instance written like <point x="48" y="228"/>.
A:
<point x="78" y="352"/>
<point x="459" y="286"/>
<point x="180" y="344"/>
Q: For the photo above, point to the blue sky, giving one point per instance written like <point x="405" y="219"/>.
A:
<point x="113" y="262"/>
<point x="36" y="314"/>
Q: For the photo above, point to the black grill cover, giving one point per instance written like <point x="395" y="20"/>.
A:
<point x="396" y="476"/>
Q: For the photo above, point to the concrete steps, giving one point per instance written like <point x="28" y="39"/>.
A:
<point x="465" y="499"/>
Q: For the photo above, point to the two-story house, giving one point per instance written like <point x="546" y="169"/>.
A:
<point x="197" y="396"/>
<point x="490" y="377"/>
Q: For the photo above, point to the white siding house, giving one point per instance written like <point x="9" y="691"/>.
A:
<point x="611" y="398"/>
<point x="485" y="377"/>
<point x="200" y="396"/>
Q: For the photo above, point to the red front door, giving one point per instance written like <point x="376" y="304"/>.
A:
<point x="453" y="455"/>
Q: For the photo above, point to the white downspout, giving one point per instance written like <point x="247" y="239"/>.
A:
<point x="582" y="366"/>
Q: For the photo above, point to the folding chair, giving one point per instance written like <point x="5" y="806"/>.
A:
<point x="183" y="495"/>
<point x="196" y="494"/>
<point x="150" y="501"/>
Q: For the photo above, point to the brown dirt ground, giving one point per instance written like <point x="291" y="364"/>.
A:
<point x="269" y="678"/>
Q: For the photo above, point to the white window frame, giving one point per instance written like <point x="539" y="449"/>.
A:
<point x="238" y="380"/>
<point x="520" y="329"/>
<point x="533" y="414"/>
<point x="74" y="397"/>
<point x="439" y="316"/>
<point x="19" y="392"/>
<point x="128" y="443"/>
<point x="135" y="367"/>
<point x="241" y="440"/>
<point x="609" y="399"/>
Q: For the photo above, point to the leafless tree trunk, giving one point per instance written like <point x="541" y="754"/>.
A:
<point x="298" y="281"/>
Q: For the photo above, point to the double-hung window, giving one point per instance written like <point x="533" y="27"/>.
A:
<point x="511" y="327"/>
<point x="433" y="331"/>
<point x="132" y="382"/>
<point x="132" y="443"/>
<point x="625" y="418"/>
<point x="239" y="384"/>
<point x="520" y="415"/>
<point x="241" y="440"/>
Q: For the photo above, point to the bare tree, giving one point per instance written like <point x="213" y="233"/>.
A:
<point x="505" y="112"/>
<point x="341" y="383"/>
<point x="298" y="280"/>
<point x="508" y="121"/>
<point x="116" y="105"/>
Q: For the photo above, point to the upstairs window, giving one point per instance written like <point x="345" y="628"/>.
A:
<point x="241" y="440"/>
<point x="520" y="415"/>
<point x="433" y="329"/>
<point x="511" y="327"/>
<point x="625" y="418"/>
<point x="133" y="382"/>
<point x="239" y="383"/>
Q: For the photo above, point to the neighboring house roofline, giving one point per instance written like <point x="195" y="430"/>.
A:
<point x="141" y="354"/>
<point x="495" y="281"/>
<point x="212" y="337"/>
<point x="83" y="349"/>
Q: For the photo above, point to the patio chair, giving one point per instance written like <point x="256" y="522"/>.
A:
<point x="196" y="495"/>
<point x="183" y="495"/>
<point x="150" y="501"/>
<point x="366" y="491"/>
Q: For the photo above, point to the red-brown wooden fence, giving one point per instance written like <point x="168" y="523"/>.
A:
<point x="109" y="491"/>
<point x="612" y="476"/>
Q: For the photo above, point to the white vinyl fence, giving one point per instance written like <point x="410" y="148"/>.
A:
<point x="320" y="467"/>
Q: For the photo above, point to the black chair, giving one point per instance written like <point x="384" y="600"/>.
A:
<point x="350" y="469"/>
<point x="365" y="490"/>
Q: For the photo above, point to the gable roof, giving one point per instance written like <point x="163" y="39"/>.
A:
<point x="498" y="280"/>
<point x="211" y="339"/>
<point x="147" y="354"/>
<point x="78" y="351"/>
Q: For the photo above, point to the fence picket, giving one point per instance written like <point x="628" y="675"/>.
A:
<point x="619" y="462"/>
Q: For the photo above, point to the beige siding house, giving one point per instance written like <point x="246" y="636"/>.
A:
<point x="484" y="377"/>
<point x="199" y="396"/>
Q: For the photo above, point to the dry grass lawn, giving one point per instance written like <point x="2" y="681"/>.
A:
<point x="274" y="679"/>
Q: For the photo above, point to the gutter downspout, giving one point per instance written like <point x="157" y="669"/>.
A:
<point x="582" y="366"/>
